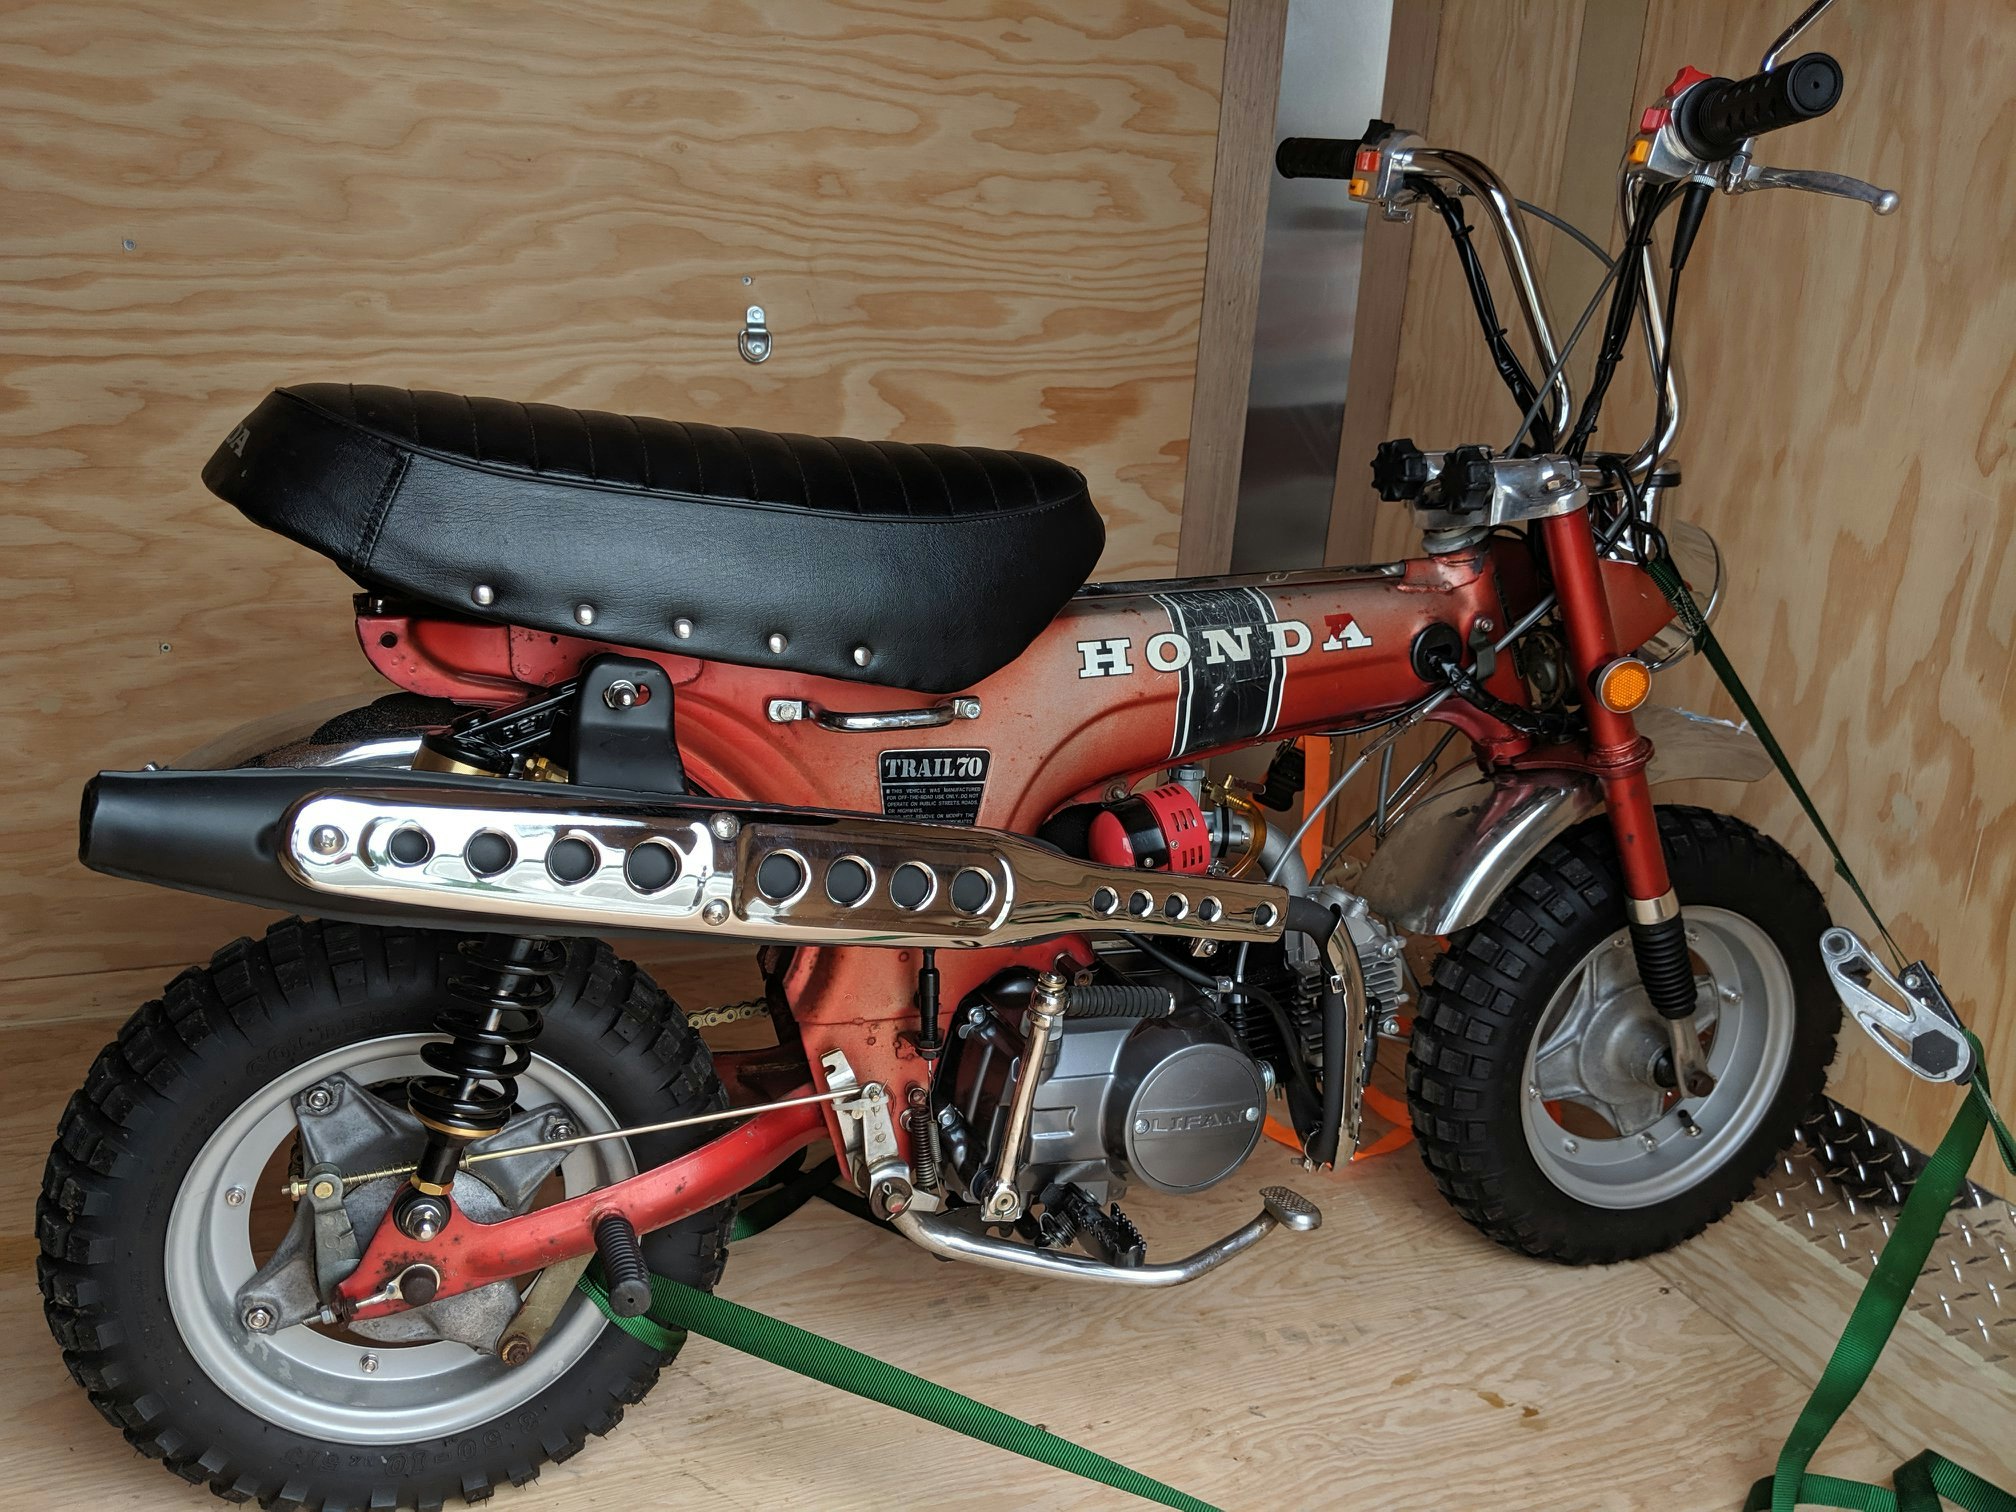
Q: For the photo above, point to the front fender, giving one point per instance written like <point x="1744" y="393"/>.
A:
<point x="1450" y="855"/>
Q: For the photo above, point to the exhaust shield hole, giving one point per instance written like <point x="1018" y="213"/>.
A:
<point x="571" y="860"/>
<point x="1105" y="901"/>
<point x="489" y="853"/>
<point x="410" y="846"/>
<point x="1141" y="904"/>
<point x="847" y="881"/>
<point x="780" y="876"/>
<point x="912" y="886"/>
<point x="651" y="866"/>
<point x="972" y="891"/>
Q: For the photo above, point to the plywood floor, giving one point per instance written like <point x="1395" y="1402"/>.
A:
<point x="1390" y="1360"/>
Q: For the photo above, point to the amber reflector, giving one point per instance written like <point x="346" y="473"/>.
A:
<point x="1624" y="685"/>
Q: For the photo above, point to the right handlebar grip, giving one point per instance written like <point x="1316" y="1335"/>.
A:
<point x="1316" y="157"/>
<point x="1717" y="116"/>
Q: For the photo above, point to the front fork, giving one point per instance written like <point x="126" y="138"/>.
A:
<point x="1619" y="754"/>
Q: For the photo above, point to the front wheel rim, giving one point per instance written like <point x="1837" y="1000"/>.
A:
<point x="320" y="1386"/>
<point x="1748" y="998"/>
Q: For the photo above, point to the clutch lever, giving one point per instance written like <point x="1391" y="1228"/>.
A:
<point x="1813" y="181"/>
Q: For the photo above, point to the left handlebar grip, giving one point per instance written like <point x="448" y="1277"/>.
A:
<point x="1315" y="157"/>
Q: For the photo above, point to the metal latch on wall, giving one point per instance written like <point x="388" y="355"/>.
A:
<point x="753" y="340"/>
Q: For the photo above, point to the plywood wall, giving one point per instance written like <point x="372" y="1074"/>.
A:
<point x="1852" y="389"/>
<point x="977" y="221"/>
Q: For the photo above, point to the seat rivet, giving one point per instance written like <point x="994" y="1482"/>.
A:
<point x="777" y="643"/>
<point x="683" y="628"/>
<point x="863" y="656"/>
<point x="584" y="614"/>
<point x="484" y="594"/>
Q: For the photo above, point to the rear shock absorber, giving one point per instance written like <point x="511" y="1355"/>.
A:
<point x="497" y="996"/>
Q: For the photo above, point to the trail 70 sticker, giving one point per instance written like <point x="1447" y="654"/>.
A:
<point x="934" y="786"/>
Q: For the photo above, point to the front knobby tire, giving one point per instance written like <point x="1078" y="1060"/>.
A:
<point x="1529" y="1169"/>
<point x="220" y="1036"/>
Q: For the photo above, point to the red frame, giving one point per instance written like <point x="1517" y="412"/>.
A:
<point x="1056" y="736"/>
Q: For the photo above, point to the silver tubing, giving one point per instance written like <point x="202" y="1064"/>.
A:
<point x="1503" y="212"/>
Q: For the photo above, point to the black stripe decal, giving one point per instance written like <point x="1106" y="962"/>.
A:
<point x="1231" y="684"/>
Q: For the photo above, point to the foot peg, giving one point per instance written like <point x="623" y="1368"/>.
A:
<point x="956" y="1235"/>
<point x="626" y="1276"/>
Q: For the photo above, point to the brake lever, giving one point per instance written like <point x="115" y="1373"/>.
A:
<point x="1813" y="181"/>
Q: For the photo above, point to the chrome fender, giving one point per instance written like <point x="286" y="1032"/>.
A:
<point x="1450" y="855"/>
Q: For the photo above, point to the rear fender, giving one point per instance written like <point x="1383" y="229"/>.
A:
<point x="1446" y="861"/>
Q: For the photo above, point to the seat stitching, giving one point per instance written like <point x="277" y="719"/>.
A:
<point x="588" y="432"/>
<point x="847" y="468"/>
<point x="413" y="416"/>
<point x="755" y="493"/>
<point x="903" y="488"/>
<point x="992" y="492"/>
<point x="699" y="467"/>
<point x="804" y="483"/>
<point x="1035" y="492"/>
<point x="475" y="441"/>
<point x="367" y="545"/>
<point x="531" y="433"/>
<point x="643" y="450"/>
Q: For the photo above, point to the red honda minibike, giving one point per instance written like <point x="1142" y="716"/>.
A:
<point x="1025" y="946"/>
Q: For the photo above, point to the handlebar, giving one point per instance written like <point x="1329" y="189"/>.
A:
<point x="1717" y="116"/>
<point x="1316" y="157"/>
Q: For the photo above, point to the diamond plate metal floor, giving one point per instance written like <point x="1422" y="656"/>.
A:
<point x="1841" y="1186"/>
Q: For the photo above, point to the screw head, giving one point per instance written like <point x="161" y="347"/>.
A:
<point x="584" y="614"/>
<point x="319" y="1100"/>
<point x="323" y="1189"/>
<point x="1572" y="1146"/>
<point x="234" y="1197"/>
<point x="724" y="826"/>
<point x="325" y="840"/>
<point x="516" y="1350"/>
<point x="561" y="1128"/>
<point x="715" y="912"/>
<point x="258" y="1319"/>
<point x="1486" y="624"/>
<point x="1648" y="1141"/>
<point x="683" y="628"/>
<point x="1252" y="1115"/>
<point x="367" y="1363"/>
<point x="483" y="594"/>
<point x="1140" y="1126"/>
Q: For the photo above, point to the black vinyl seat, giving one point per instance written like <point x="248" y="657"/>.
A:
<point x="919" y="567"/>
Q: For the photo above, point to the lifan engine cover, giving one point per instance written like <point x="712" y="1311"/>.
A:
<point x="1187" y="1103"/>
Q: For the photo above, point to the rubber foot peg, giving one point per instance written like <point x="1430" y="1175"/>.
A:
<point x="626" y="1276"/>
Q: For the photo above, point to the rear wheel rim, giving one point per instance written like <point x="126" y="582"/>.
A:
<point x="320" y="1386"/>
<point x="1598" y="1037"/>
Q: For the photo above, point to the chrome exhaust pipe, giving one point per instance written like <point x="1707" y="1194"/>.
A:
<point x="433" y="849"/>
<point x="945" y="1236"/>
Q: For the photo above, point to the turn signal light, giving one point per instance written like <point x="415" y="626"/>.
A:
<point x="1623" y="685"/>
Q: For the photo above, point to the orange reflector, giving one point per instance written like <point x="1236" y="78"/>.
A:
<point x="1624" y="685"/>
<point x="1640" y="150"/>
<point x="1358" y="187"/>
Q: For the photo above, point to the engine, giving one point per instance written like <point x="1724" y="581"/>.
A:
<point x="1173" y="1091"/>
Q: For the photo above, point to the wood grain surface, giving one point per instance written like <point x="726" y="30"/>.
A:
<point x="1391" y="1361"/>
<point x="981" y="221"/>
<point x="1852" y="404"/>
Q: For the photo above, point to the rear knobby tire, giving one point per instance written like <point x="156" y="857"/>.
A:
<point x="184" y="1063"/>
<point x="1467" y="1065"/>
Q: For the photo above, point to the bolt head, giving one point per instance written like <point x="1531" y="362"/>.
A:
<point x="1572" y="1146"/>
<point x="258" y="1319"/>
<point x="367" y="1363"/>
<point x="724" y="826"/>
<point x="517" y="1349"/>
<point x="620" y="694"/>
<point x="234" y="1197"/>
<point x="1252" y="1115"/>
<point x="319" y="1100"/>
<point x="561" y="1128"/>
<point x="325" y="840"/>
<point x="1731" y="995"/>
<point x="1648" y="1141"/>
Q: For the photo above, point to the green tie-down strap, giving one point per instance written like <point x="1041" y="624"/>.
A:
<point x="677" y="1310"/>
<point x="1918" y="1483"/>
